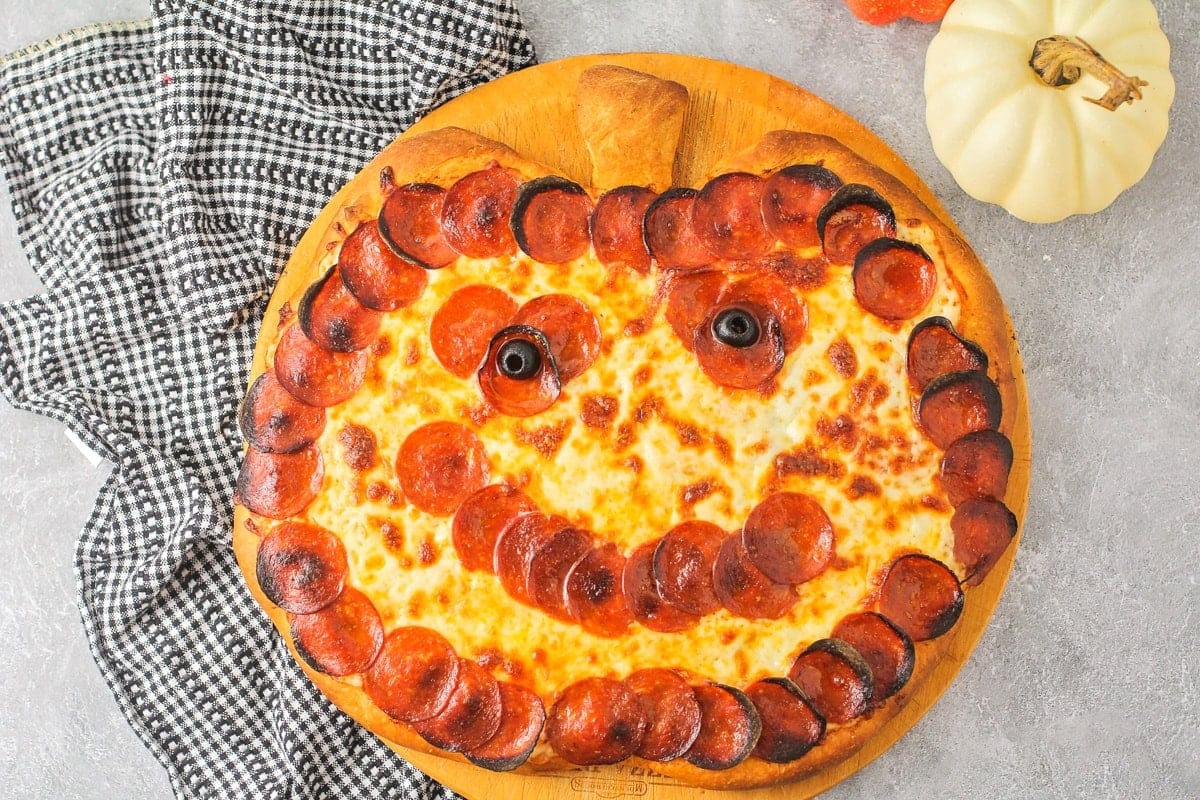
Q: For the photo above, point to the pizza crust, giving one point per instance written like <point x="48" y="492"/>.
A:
<point x="445" y="154"/>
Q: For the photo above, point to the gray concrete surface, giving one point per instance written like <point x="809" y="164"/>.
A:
<point x="1086" y="683"/>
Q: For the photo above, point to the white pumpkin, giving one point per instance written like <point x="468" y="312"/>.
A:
<point x="1045" y="152"/>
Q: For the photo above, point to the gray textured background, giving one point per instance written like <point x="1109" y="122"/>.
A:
<point x="1085" y="684"/>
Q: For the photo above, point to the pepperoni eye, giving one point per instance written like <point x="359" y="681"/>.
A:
<point x="519" y="376"/>
<point x="519" y="359"/>
<point x="736" y="327"/>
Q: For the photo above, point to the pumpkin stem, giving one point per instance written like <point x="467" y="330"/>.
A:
<point x="1058" y="61"/>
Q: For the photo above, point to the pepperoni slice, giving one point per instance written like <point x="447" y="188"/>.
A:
<point x="274" y="421"/>
<point x="791" y="200"/>
<point x="683" y="566"/>
<point x="522" y="717"/>
<point x="550" y="219"/>
<point x="727" y="217"/>
<point x="301" y="567"/>
<point x="341" y="639"/>
<point x="744" y="589"/>
<point x="894" y="279"/>
<point x="413" y="675"/>
<point x="516" y="546"/>
<point x="279" y="485"/>
<point x="982" y="529"/>
<point x="464" y="325"/>
<point x="596" y="721"/>
<point x="887" y="650"/>
<point x="854" y="216"/>
<point x="691" y="296"/>
<point x="617" y="227"/>
<point x="835" y="679"/>
<point x="593" y="592"/>
<point x="789" y="538"/>
<point x="977" y="465"/>
<point x="922" y="596"/>
<point x="739" y="346"/>
<point x="476" y="213"/>
<point x="570" y="328"/>
<point x="672" y="713"/>
<point x="314" y="375"/>
<point x="333" y="318"/>
<point x="790" y="725"/>
<point x="729" y="727"/>
<point x="439" y="465"/>
<point x="480" y="519"/>
<point x="548" y="571"/>
<point x="519" y="376"/>
<point x="956" y="404"/>
<point x="374" y="274"/>
<point x="642" y="596"/>
<point x="410" y="223"/>
<point x="935" y="348"/>
<point x="769" y="291"/>
<point x="471" y="716"/>
<point x="668" y="232"/>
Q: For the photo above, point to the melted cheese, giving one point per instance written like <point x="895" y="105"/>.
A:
<point x="677" y="446"/>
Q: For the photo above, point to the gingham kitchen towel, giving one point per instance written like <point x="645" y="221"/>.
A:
<point x="161" y="172"/>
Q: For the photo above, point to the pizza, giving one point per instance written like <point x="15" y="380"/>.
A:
<point x="542" y="473"/>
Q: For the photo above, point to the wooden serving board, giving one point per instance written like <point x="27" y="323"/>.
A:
<point x="731" y="107"/>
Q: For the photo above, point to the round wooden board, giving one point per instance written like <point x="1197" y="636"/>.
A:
<point x="731" y="107"/>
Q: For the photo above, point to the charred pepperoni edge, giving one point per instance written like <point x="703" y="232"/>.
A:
<point x="472" y="713"/>
<point x="854" y="194"/>
<point x="743" y="588"/>
<point x="301" y="567"/>
<point x="672" y="713"/>
<point x="628" y="244"/>
<point x="936" y="615"/>
<point x="481" y="518"/>
<point x="695" y="596"/>
<point x="550" y="566"/>
<point x="316" y="376"/>
<point x="374" y="274"/>
<point x="413" y="675"/>
<point x="644" y="600"/>
<point x="527" y="238"/>
<point x="969" y="355"/>
<point x="814" y="176"/>
<point x="341" y="639"/>
<point x="440" y="464"/>
<point x="342" y="334"/>
<point x="977" y="465"/>
<point x="729" y="727"/>
<point x="982" y="529"/>
<point x="888" y="651"/>
<point x="442" y="253"/>
<point x="712" y="206"/>
<point x="862" y="263"/>
<point x="287" y="424"/>
<point x="613" y="731"/>
<point x="593" y="592"/>
<point x="853" y="691"/>
<point x="522" y="718"/>
<point x="783" y="715"/>
<point x="489" y="376"/>
<point x="694" y="253"/>
<point x="280" y="485"/>
<point x="789" y="537"/>
<point x="930" y="414"/>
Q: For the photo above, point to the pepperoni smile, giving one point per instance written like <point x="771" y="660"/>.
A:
<point x="723" y="260"/>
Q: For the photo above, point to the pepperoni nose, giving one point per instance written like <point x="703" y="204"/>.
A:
<point x="736" y="327"/>
<point x="519" y="359"/>
<point x="519" y="377"/>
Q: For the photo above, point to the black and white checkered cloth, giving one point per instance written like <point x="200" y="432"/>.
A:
<point x="161" y="172"/>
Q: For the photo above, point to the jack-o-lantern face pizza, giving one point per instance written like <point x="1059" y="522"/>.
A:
<point x="542" y="474"/>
